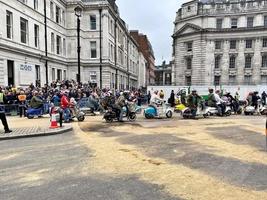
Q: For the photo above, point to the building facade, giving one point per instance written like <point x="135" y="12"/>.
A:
<point x="146" y="49"/>
<point x="109" y="55"/>
<point x="163" y="74"/>
<point x="220" y="43"/>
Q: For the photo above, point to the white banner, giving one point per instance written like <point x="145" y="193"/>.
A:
<point x="26" y="74"/>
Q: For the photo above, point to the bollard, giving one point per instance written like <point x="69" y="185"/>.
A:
<point x="60" y="117"/>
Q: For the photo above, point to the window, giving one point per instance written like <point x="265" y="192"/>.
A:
<point x="247" y="79"/>
<point x="232" y="79"/>
<point x="52" y="42"/>
<point x="218" y="44"/>
<point x="232" y="62"/>
<point x="264" y="79"/>
<point x="36" y="35"/>
<point x="248" y="61"/>
<point x="65" y="75"/>
<point x="189" y="46"/>
<point x="248" y="44"/>
<point x="58" y="15"/>
<point x="59" y="45"/>
<point x="188" y="63"/>
<point x="264" y="61"/>
<point x="9" y="25"/>
<point x="64" y="47"/>
<point x="250" y="22"/>
<point x="93" y="49"/>
<point x="233" y="44"/>
<point x="219" y="23"/>
<point x="23" y="30"/>
<point x="217" y="62"/>
<point x="53" y="74"/>
<point x="51" y="10"/>
<point x="234" y="23"/>
<point x="93" y="77"/>
<point x="92" y="22"/>
<point x="265" y="21"/>
<point x="189" y="9"/>
<point x="35" y="4"/>
<point x="264" y="42"/>
<point x="63" y="18"/>
<point x="217" y="80"/>
<point x="188" y="80"/>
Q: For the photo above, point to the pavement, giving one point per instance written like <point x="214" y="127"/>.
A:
<point x="23" y="127"/>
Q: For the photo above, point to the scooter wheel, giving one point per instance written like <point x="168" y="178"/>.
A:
<point x="30" y="116"/>
<point x="228" y="113"/>
<point x="132" y="117"/>
<point x="81" y="118"/>
<point x="147" y="116"/>
<point x="109" y="119"/>
<point x="169" y="114"/>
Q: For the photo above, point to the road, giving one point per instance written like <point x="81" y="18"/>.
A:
<point x="222" y="158"/>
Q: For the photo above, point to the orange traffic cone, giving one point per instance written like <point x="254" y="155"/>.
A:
<point x="53" y="121"/>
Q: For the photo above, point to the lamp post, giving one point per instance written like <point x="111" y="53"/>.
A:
<point x="78" y="13"/>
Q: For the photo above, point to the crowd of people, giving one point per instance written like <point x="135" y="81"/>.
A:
<point x="65" y="94"/>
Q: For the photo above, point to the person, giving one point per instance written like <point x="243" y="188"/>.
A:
<point x="65" y="106"/>
<point x="161" y="94"/>
<point x="255" y="98"/>
<point x="172" y="99"/>
<point x="214" y="100"/>
<point x="121" y="101"/>
<point x="2" y="112"/>
<point x="220" y="103"/>
<point x="263" y="98"/>
<point x="148" y="97"/>
<point x="22" y="103"/>
<point x="233" y="103"/>
<point x="193" y="100"/>
<point x="183" y="97"/>
<point x="155" y="100"/>
<point x="36" y="102"/>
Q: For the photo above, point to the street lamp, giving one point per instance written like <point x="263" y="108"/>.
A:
<point x="78" y="13"/>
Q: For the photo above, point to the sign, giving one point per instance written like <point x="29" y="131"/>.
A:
<point x="26" y="74"/>
<point x="25" y="67"/>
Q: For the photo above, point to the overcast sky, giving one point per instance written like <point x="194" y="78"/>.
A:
<point x="154" y="18"/>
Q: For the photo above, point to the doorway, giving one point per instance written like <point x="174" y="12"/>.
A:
<point x="10" y="72"/>
<point x="59" y="74"/>
<point x="37" y="75"/>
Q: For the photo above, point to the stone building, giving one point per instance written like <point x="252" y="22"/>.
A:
<point x="163" y="74"/>
<point x="146" y="49"/>
<point x="220" y="43"/>
<point x="105" y="43"/>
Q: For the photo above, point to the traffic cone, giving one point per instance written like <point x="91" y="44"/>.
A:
<point x="53" y="121"/>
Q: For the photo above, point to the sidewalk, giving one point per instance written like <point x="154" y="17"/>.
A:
<point x="24" y="127"/>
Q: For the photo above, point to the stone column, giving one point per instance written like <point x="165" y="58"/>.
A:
<point x="256" y="61"/>
<point x="240" y="65"/>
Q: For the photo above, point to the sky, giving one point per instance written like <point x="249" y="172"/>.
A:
<point x="153" y="18"/>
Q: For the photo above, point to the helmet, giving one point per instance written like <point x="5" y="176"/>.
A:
<point x="211" y="90"/>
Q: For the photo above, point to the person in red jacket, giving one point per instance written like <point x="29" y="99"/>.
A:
<point x="64" y="102"/>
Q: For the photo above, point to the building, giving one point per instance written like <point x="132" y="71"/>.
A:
<point x="163" y="74"/>
<point x="146" y="49"/>
<point x="220" y="43"/>
<point x="109" y="55"/>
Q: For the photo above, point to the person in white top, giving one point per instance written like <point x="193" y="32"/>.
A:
<point x="220" y="102"/>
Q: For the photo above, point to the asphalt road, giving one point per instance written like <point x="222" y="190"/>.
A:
<point x="53" y="168"/>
